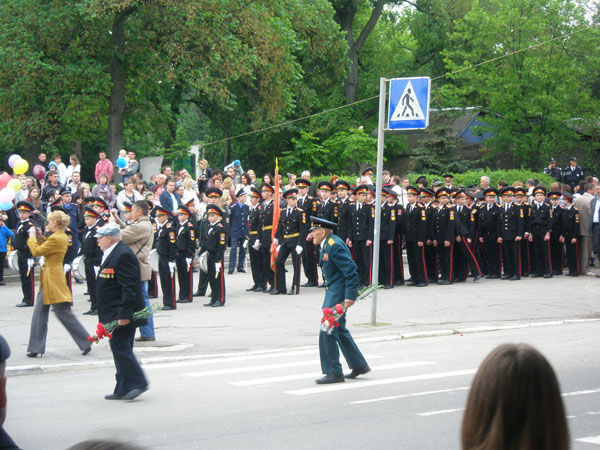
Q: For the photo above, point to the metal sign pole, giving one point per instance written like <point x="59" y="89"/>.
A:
<point x="378" y="183"/>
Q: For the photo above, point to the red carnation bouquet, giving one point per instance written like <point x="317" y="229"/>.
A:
<point x="103" y="330"/>
<point x="331" y="316"/>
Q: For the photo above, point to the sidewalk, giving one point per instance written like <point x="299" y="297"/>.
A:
<point x="261" y="322"/>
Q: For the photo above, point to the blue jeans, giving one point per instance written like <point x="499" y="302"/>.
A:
<point x="148" y="329"/>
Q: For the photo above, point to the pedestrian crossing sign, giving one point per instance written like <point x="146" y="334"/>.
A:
<point x="409" y="103"/>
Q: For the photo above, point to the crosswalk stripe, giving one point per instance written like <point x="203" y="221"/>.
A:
<point x="207" y="373"/>
<point x="441" y="411"/>
<point x="301" y="376"/>
<point x="590" y="440"/>
<point x="589" y="391"/>
<point x="364" y="383"/>
<point x="414" y="394"/>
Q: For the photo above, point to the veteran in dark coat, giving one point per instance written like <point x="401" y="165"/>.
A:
<point x="119" y="294"/>
<point x="341" y="286"/>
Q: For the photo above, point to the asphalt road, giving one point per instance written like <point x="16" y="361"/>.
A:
<point x="412" y="399"/>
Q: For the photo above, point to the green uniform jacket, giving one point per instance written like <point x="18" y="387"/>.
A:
<point x="339" y="272"/>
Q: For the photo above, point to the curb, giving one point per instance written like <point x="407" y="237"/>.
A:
<point x="57" y="368"/>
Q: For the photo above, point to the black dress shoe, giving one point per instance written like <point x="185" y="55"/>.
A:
<point x="492" y="277"/>
<point x="547" y="275"/>
<point x="134" y="393"/>
<point x="253" y="288"/>
<point x="525" y="274"/>
<point x="420" y="285"/>
<point x="536" y="275"/>
<point x="328" y="379"/>
<point x="199" y="294"/>
<point x="356" y="372"/>
<point x="91" y="312"/>
<point x="268" y="291"/>
<point x="241" y="271"/>
<point x="23" y="305"/>
<point x="32" y="354"/>
<point x="398" y="283"/>
<point x="411" y="283"/>
<point x="78" y="281"/>
<point x="309" y="284"/>
<point x="514" y="278"/>
<point x="292" y="292"/>
<point x="113" y="397"/>
<point x="505" y="277"/>
<point x="217" y="304"/>
<point x="443" y="282"/>
<point x="277" y="293"/>
<point x="557" y="272"/>
<point x="86" y="351"/>
<point x="259" y="289"/>
<point x="476" y="277"/>
<point x="184" y="300"/>
<point x="209" y="303"/>
<point x="229" y="272"/>
<point x="167" y="308"/>
<point x="388" y="287"/>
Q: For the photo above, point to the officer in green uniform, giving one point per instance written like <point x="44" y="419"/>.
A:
<point x="341" y="284"/>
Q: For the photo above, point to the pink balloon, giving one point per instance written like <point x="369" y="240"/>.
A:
<point x="7" y="195"/>
<point x="4" y="179"/>
<point x="39" y="172"/>
<point x="12" y="159"/>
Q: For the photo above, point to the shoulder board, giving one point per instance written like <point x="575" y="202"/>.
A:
<point x="575" y="208"/>
<point x="190" y="224"/>
<point x="168" y="225"/>
<point x="330" y="241"/>
<point x="473" y="211"/>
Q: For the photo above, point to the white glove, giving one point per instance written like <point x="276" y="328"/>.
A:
<point x="275" y="241"/>
<point x="256" y="245"/>
<point x="30" y="262"/>
<point x="188" y="261"/>
<point x="217" y="266"/>
<point x="299" y="249"/>
<point x="66" y="267"/>
<point x="96" y="270"/>
<point x="277" y="249"/>
<point x="172" y="266"/>
<point x="245" y="244"/>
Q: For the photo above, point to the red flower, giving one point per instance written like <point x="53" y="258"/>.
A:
<point x="92" y="339"/>
<point x="108" y="335"/>
<point x="327" y="311"/>
<point x="339" y="308"/>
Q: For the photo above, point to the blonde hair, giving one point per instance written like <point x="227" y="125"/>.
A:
<point x="187" y="183"/>
<point x="203" y="163"/>
<point x="123" y="152"/>
<point x="59" y="218"/>
<point x="227" y="183"/>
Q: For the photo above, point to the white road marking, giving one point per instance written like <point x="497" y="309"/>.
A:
<point x="441" y="411"/>
<point x="414" y="394"/>
<point x="170" y="348"/>
<point x="258" y="368"/>
<point x="590" y="440"/>
<point x="590" y="391"/>
<point x="301" y="376"/>
<point x="366" y="383"/>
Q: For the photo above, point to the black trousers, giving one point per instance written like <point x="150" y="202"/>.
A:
<point x="446" y="261"/>
<point x="525" y="259"/>
<point x="258" y="270"/>
<point x="90" y="281"/>
<point x="416" y="262"/>
<point x="216" y="279"/>
<point x="511" y="258"/>
<point x="153" y="286"/>
<point x="431" y="262"/>
<point x="491" y="251"/>
<point x="202" y="283"/>
<point x="27" y="282"/>
<point x="398" y="263"/>
<point x="309" y="262"/>
<point x="129" y="372"/>
<point x="185" y="278"/>
<point x="2" y="259"/>
<point x="265" y="256"/>
<point x="167" y="282"/>
<point x="465" y="259"/>
<point x="573" y="257"/>
<point x="284" y="252"/>
<point x="386" y="263"/>
<point x="362" y="258"/>
<point x="556" y="254"/>
<point x="541" y="254"/>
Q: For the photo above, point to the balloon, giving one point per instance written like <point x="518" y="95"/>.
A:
<point x="21" y="166"/>
<point x="14" y="184"/>
<point x="121" y="163"/>
<point x="12" y="159"/>
<point x="38" y="171"/>
<point x="4" y="179"/>
<point x="5" y="206"/>
<point x="7" y="194"/>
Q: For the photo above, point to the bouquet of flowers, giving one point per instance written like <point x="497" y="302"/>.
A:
<point x="103" y="330"/>
<point x="330" y="318"/>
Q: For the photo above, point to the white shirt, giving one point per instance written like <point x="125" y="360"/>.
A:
<point x="596" y="217"/>
<point x="108" y="251"/>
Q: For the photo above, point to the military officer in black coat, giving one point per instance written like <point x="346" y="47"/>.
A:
<point x="309" y="205"/>
<point x="166" y="247"/>
<point x="444" y="225"/>
<point x="293" y="226"/>
<point x="573" y="174"/>
<point x="186" y="247"/>
<point x="511" y="225"/>
<point x="119" y="293"/>
<point x="525" y="245"/>
<point x="256" y="267"/>
<point x="24" y="256"/>
<point x="343" y="201"/>
<point x="570" y="234"/>
<point x="213" y="196"/>
<point x="431" y="261"/>
<point x="397" y="263"/>
<point x="541" y="223"/>
<point x="386" y="238"/>
<point x="488" y="226"/>
<point x="464" y="256"/>
<point x="92" y="255"/>
<point x="415" y="226"/>
<point x="101" y="207"/>
<point x="327" y="209"/>
<point x="265" y="239"/>
<point x="361" y="233"/>
<point x="214" y="243"/>
<point x="556" y="245"/>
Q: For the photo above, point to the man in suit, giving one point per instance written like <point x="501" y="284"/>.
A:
<point x="238" y="219"/>
<point x="584" y="205"/>
<point x="169" y="199"/>
<point x="595" y="215"/>
<point x="119" y="293"/>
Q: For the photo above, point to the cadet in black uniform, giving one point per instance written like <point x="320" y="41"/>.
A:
<point x="327" y="209"/>
<point x="213" y="196"/>
<point x="521" y="200"/>
<point x="24" y="256"/>
<point x="92" y="256"/>
<point x="361" y="233"/>
<point x="386" y="238"/>
<point x="264" y="240"/>
<point x="166" y="247"/>
<point x="541" y="221"/>
<point x="556" y="245"/>
<point x="215" y="244"/>
<point x="511" y="226"/>
<point x="101" y="207"/>
<point x="443" y="235"/>
<point x="153" y="283"/>
<point x="186" y="247"/>
<point x="309" y="205"/>
<point x="415" y="226"/>
<point x="392" y="198"/>
<point x="488" y="226"/>
<point x="343" y="201"/>
<point x="464" y="256"/>
<point x="431" y="260"/>
<point x="570" y="234"/>
<point x="293" y="226"/>
<point x="256" y="267"/>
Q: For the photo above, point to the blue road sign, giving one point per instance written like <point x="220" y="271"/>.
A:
<point x="409" y="103"/>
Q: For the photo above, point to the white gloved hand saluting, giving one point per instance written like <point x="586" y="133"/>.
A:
<point x="299" y="249"/>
